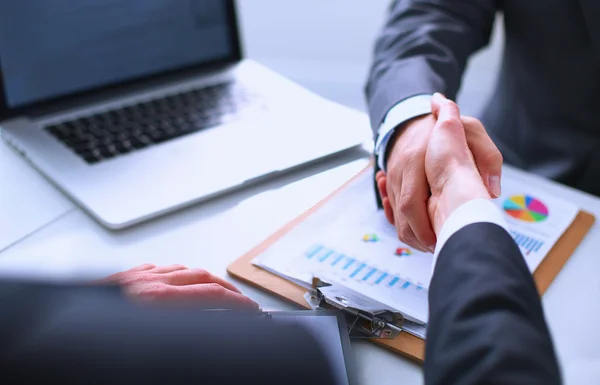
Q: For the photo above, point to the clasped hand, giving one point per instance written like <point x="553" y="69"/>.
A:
<point x="436" y="163"/>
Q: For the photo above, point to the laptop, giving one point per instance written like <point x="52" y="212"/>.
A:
<point x="138" y="108"/>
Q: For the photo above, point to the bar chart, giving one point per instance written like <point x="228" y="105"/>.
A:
<point x="527" y="243"/>
<point x="329" y="261"/>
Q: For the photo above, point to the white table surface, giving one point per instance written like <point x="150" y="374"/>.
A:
<point x="27" y="201"/>
<point x="214" y="234"/>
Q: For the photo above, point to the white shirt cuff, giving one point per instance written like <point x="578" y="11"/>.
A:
<point x="473" y="211"/>
<point x="405" y="110"/>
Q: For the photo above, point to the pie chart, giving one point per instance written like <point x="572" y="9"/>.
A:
<point x="526" y="208"/>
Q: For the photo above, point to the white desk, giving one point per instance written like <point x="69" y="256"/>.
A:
<point x="213" y="234"/>
<point x="27" y="201"/>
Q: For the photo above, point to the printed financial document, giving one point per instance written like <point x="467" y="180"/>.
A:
<point x="348" y="241"/>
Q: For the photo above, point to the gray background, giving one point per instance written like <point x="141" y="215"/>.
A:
<point x="326" y="46"/>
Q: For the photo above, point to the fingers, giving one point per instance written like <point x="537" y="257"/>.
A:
<point x="423" y="238"/>
<point x="388" y="211"/>
<point x="197" y="276"/>
<point x="448" y="141"/>
<point x="167" y="269"/>
<point x="382" y="186"/>
<point x="385" y="201"/>
<point x="144" y="267"/>
<point x="485" y="153"/>
<point x="407" y="187"/>
<point x="176" y="283"/>
<point x="447" y="113"/>
<point x="208" y="295"/>
<point x="381" y="180"/>
<point x="412" y="205"/>
<point x="117" y="276"/>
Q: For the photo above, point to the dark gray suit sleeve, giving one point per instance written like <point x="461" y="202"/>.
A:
<point x="486" y="324"/>
<point x="92" y="335"/>
<point x="423" y="49"/>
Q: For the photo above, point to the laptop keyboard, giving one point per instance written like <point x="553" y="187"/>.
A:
<point x="120" y="131"/>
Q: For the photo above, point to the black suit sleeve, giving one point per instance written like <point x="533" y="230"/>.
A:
<point x="93" y="335"/>
<point x="424" y="48"/>
<point x="486" y="324"/>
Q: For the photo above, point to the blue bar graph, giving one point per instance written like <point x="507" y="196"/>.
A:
<point x="349" y="263"/>
<point x="381" y="278"/>
<point x="362" y="272"/>
<point x="338" y="259"/>
<point x="358" y="269"/>
<point x="325" y="256"/>
<point x="313" y="251"/>
<point x="529" y="244"/>
<point x="369" y="274"/>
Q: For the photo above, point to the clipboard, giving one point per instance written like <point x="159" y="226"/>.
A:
<point x="404" y="344"/>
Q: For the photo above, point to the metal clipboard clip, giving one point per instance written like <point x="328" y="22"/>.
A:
<point x="366" y="318"/>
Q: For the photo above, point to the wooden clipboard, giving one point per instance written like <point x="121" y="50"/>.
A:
<point x="405" y="344"/>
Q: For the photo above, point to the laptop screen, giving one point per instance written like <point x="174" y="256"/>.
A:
<point x="55" y="48"/>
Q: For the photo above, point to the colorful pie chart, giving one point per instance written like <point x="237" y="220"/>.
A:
<point x="526" y="208"/>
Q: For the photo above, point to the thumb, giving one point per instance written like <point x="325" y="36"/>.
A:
<point x="487" y="156"/>
<point x="447" y="148"/>
<point x="437" y="99"/>
<point x="448" y="124"/>
<point x="482" y="149"/>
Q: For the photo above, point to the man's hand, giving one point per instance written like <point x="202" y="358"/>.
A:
<point x="404" y="189"/>
<point x="177" y="283"/>
<point x="450" y="168"/>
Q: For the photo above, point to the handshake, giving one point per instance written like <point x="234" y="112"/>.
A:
<point x="439" y="162"/>
<point x="432" y="170"/>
